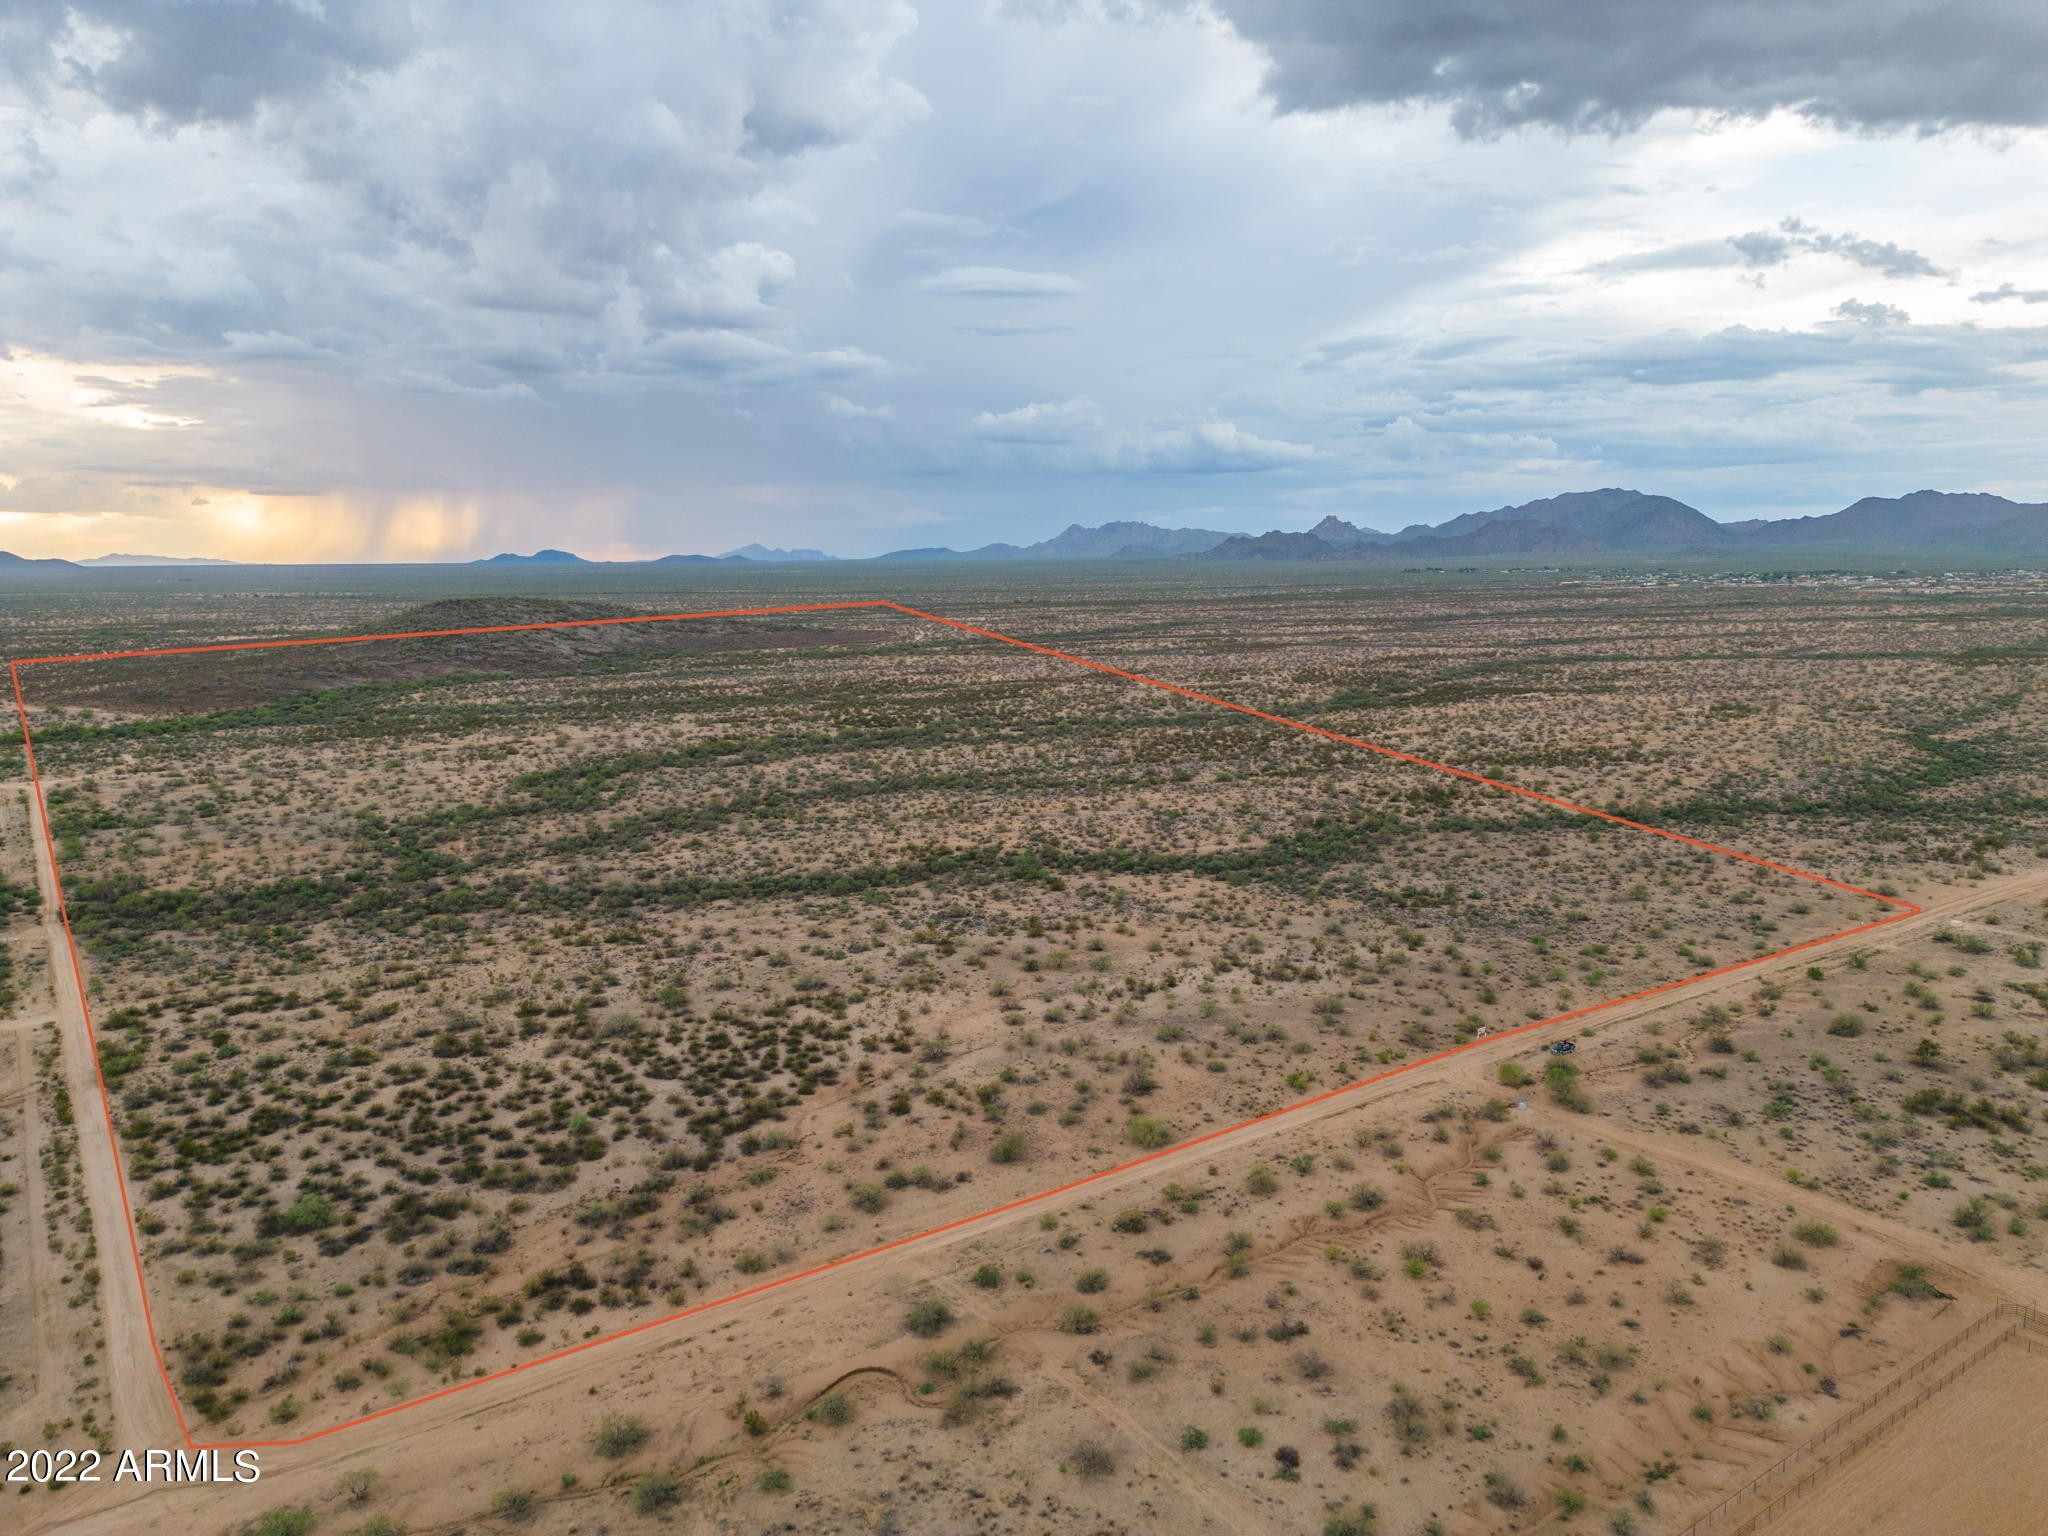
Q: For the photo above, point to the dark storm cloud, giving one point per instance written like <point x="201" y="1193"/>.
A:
<point x="445" y="194"/>
<point x="218" y="60"/>
<point x="1609" y="65"/>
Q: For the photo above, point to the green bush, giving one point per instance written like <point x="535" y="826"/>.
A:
<point x="657" y="1490"/>
<point x="619" y="1434"/>
<point x="513" y="1504"/>
<point x="835" y="1408"/>
<point x="1148" y="1132"/>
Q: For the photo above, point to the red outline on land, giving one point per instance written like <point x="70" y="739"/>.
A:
<point x="1906" y="910"/>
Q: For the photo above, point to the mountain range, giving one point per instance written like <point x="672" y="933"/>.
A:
<point x="1624" y="522"/>
<point x="1577" y="524"/>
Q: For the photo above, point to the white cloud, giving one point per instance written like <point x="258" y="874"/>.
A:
<point x="1863" y="313"/>
<point x="1051" y="421"/>
<point x="847" y="410"/>
<point x="999" y="283"/>
<point x="1072" y="436"/>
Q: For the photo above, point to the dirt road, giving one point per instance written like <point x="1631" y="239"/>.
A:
<point x="143" y="1414"/>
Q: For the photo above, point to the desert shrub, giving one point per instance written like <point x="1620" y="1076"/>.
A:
<point x="287" y="1520"/>
<point x="309" y="1213"/>
<point x="988" y="1277"/>
<point x="774" y="1480"/>
<point x="618" y="1434"/>
<point x="1501" y="1491"/>
<point x="657" y="1490"/>
<point x="1148" y="1132"/>
<point x="513" y="1504"/>
<point x="1408" y="1416"/>
<point x="834" y="1408"/>
<point x="927" y="1318"/>
<point x="1566" y="1091"/>
<point x="1079" y="1319"/>
<point x="1090" y="1458"/>
<point x="1912" y="1283"/>
<point x="1262" y="1180"/>
<point x="1816" y="1234"/>
<point x="1007" y="1148"/>
<point x="1974" y="1216"/>
<point x="1092" y="1281"/>
<point x="1367" y="1197"/>
<point x="1513" y="1074"/>
<point x="1194" y="1438"/>
<point x="356" y="1483"/>
<point x="1362" y="1521"/>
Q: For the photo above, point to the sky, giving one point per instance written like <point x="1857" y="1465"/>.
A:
<point x="428" y="279"/>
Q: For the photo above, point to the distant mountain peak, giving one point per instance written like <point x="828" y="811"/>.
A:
<point x="538" y="557"/>
<point x="767" y="556"/>
<point x="156" y="560"/>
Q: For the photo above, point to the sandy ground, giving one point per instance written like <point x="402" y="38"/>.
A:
<point x="1964" y="1461"/>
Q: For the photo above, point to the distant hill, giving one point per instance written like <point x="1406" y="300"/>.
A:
<point x="939" y="552"/>
<point x="768" y="556"/>
<point x="1279" y="546"/>
<point x="1334" y="530"/>
<point x="1123" y="540"/>
<point x="1515" y="536"/>
<point x="538" y="557"/>
<point x="1924" y="522"/>
<point x="1505" y="536"/>
<point x="156" y="560"/>
<point x="1611" y="519"/>
<point x="12" y="562"/>
<point x="1617" y="521"/>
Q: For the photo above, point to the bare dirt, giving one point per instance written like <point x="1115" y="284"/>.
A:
<point x="1963" y="1461"/>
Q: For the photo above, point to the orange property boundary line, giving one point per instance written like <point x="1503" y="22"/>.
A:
<point x="1906" y="909"/>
